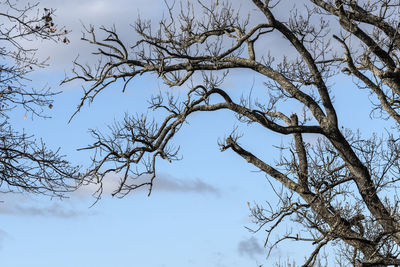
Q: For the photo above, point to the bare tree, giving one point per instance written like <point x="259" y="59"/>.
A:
<point x="341" y="190"/>
<point x="26" y="164"/>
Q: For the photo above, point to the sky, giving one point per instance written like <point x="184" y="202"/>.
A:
<point x="198" y="212"/>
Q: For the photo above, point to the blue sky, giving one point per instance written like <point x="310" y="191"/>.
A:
<point x="196" y="215"/>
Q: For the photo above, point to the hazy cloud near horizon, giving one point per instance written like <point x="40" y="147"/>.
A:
<point x="26" y="205"/>
<point x="3" y="236"/>
<point x="53" y="210"/>
<point x="30" y="205"/>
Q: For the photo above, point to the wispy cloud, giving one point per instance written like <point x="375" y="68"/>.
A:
<point x="54" y="210"/>
<point x="27" y="205"/>
<point x="163" y="183"/>
<point x="250" y="248"/>
<point x="170" y="184"/>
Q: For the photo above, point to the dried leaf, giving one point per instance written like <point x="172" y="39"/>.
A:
<point x="50" y="106"/>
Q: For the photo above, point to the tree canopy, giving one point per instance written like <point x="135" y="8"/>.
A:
<point x="26" y="164"/>
<point x="338" y="190"/>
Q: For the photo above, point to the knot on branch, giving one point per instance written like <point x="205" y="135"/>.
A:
<point x="229" y="142"/>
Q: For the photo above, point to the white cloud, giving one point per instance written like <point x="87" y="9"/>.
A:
<point x="123" y="14"/>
